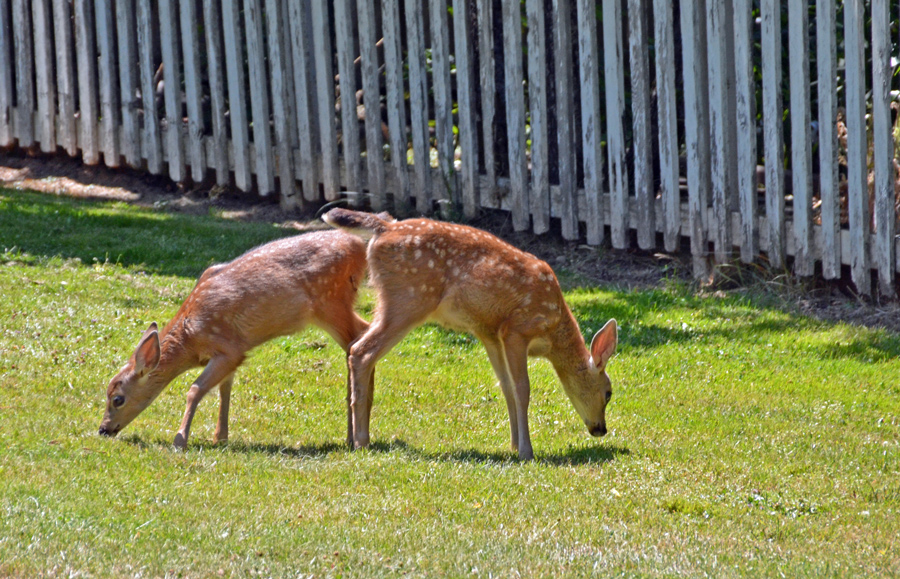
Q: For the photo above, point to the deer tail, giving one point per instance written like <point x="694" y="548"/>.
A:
<point x="358" y="222"/>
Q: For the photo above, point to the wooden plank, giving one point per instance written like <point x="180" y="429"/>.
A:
<point x="6" y="79"/>
<point x="537" y="105"/>
<point x="718" y="12"/>
<point x="670" y="192"/>
<point x="885" y="214"/>
<point x="325" y="96"/>
<point x="171" y="56"/>
<point x="259" y="98"/>
<point x="128" y="82"/>
<point x="644" y="192"/>
<point x="109" y="96"/>
<point x="190" y="43"/>
<point x="65" y="75"/>
<point x="281" y="99"/>
<point x="445" y="190"/>
<point x="614" y="76"/>
<point x="212" y="22"/>
<point x="304" y="96"/>
<point x="745" y="88"/>
<point x="486" y="72"/>
<point x="696" y="128"/>
<point x="515" y="114"/>
<point x="773" y="137"/>
<point x="465" y="74"/>
<point x="393" y="63"/>
<point x="591" y="130"/>
<point x="418" y="104"/>
<point x="152" y="150"/>
<point x="801" y="150"/>
<point x="565" y="118"/>
<point x="368" y="52"/>
<point x="45" y="82"/>
<point x="344" y="37"/>
<point x="857" y="173"/>
<point x="826" y="62"/>
<point x="237" y="94"/>
<point x="24" y="55"/>
<point x="86" y="59"/>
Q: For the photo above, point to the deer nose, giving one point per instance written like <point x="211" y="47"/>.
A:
<point x="106" y="432"/>
<point x="599" y="430"/>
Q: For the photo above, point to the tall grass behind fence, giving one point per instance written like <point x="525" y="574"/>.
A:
<point x="755" y="129"/>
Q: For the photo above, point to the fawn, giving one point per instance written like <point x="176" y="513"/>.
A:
<point x="469" y="280"/>
<point x="273" y="290"/>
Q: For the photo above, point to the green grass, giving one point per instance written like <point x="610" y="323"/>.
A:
<point x="745" y="440"/>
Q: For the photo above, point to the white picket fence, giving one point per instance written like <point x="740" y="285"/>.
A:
<point x="638" y="115"/>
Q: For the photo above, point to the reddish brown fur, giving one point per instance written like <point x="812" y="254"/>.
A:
<point x="273" y="290"/>
<point x="470" y="280"/>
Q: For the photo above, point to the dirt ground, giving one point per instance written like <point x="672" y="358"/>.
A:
<point x="622" y="269"/>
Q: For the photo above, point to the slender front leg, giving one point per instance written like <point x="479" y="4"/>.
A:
<point x="516" y="350"/>
<point x="224" y="405"/>
<point x="501" y="370"/>
<point x="216" y="370"/>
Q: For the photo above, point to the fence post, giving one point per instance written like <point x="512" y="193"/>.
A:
<point x="325" y="96"/>
<point x="282" y="117"/>
<point x="344" y="36"/>
<point x="127" y="44"/>
<point x="486" y="52"/>
<point x="6" y="79"/>
<point x="24" y="126"/>
<point x="885" y="212"/>
<point x="515" y="115"/>
<point x="826" y="62"/>
<point x="466" y="107"/>
<point x="368" y="51"/>
<point x="770" y="13"/>
<point x="565" y="117"/>
<point x="801" y="153"/>
<point x="109" y="96"/>
<point x="745" y="110"/>
<point x="393" y="62"/>
<point x="43" y="68"/>
<point x="614" y="75"/>
<point x="65" y="76"/>
<point x="212" y="22"/>
<point x="644" y="192"/>
<point x="445" y="190"/>
<point x="537" y="104"/>
<point x="589" y="75"/>
<point x="171" y="56"/>
<point x="86" y="58"/>
<point x="151" y="143"/>
<point x="670" y="187"/>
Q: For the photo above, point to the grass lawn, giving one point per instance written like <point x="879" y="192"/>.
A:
<point x="744" y="440"/>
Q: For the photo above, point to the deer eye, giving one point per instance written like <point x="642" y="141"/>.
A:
<point x="118" y="401"/>
<point x="608" y="396"/>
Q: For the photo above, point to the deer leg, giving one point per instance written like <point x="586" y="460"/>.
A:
<point x="515" y="350"/>
<point x="224" y="404"/>
<point x="219" y="368"/>
<point x="498" y="363"/>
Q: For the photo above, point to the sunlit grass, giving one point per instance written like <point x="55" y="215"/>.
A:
<point x="745" y="440"/>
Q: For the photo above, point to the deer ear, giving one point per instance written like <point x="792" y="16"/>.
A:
<point x="146" y="355"/>
<point x="603" y="346"/>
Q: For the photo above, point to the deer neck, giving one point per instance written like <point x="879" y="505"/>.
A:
<point x="567" y="350"/>
<point x="173" y="356"/>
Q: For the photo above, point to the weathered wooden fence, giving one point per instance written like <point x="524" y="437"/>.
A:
<point x="658" y="119"/>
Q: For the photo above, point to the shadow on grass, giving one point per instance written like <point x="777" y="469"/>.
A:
<point x="571" y="457"/>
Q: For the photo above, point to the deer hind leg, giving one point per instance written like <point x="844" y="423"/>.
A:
<point x="217" y="370"/>
<point x="515" y="350"/>
<point x="224" y="405"/>
<point x="501" y="370"/>
<point x="384" y="333"/>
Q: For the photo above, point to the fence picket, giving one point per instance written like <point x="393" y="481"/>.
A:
<point x="109" y="96"/>
<point x="565" y="117"/>
<point x="487" y="84"/>
<point x="259" y="99"/>
<point x="445" y="189"/>
<point x="6" y="78"/>
<point x="283" y="120"/>
<point x="670" y="191"/>
<point x="146" y="48"/>
<point x="645" y="196"/>
<point x="515" y="114"/>
<point x="237" y="95"/>
<point x="745" y="89"/>
<point x="127" y="45"/>
<point x="86" y="60"/>
<point x="190" y="43"/>
<point x="212" y="21"/>
<point x="371" y="100"/>
<point x="45" y="81"/>
<point x="773" y="136"/>
<point x="304" y="96"/>
<point x="418" y="104"/>
<point x="826" y="62"/>
<point x="171" y="56"/>
<point x="696" y="128"/>
<point x="464" y="90"/>
<point x="857" y="172"/>
<point x="325" y="94"/>
<point x="721" y="147"/>
<point x="537" y="105"/>
<point x="589" y="74"/>
<point x="801" y="150"/>
<point x="393" y="63"/>
<point x="885" y="213"/>
<point x="344" y="37"/>
<point x="614" y="76"/>
<point x="24" y="127"/>
<point x="67" y="134"/>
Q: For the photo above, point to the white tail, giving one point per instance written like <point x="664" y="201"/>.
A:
<point x="273" y="290"/>
<point x="470" y="280"/>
